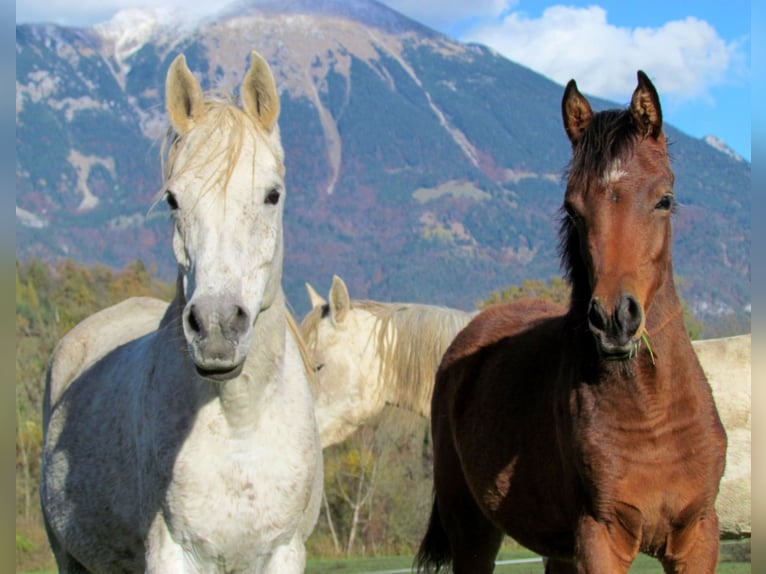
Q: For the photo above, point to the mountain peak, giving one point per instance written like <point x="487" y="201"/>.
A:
<point x="367" y="12"/>
<point x="719" y="144"/>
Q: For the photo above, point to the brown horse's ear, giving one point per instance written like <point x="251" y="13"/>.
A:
<point x="576" y="111"/>
<point x="183" y="96"/>
<point x="645" y="107"/>
<point x="340" y="302"/>
<point x="316" y="299"/>
<point x="259" y="93"/>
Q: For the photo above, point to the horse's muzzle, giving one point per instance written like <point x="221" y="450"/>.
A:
<point x="616" y="333"/>
<point x="218" y="332"/>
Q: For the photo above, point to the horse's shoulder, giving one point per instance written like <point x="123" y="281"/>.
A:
<point x="96" y="336"/>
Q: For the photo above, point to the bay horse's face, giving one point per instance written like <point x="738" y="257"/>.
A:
<point x="618" y="202"/>
<point x="225" y="188"/>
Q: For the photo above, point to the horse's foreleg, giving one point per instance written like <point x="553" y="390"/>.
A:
<point x="163" y="554"/>
<point x="604" y="549"/>
<point x="694" y="549"/>
<point x="287" y="559"/>
<point x="68" y="565"/>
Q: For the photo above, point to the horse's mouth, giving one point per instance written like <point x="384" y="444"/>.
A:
<point x="619" y="353"/>
<point x="617" y="357"/>
<point x="220" y="374"/>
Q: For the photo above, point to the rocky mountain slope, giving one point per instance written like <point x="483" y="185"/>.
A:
<point x="418" y="168"/>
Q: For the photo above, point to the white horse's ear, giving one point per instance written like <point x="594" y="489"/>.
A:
<point x="316" y="299"/>
<point x="259" y="95"/>
<point x="340" y="302"/>
<point x="183" y="96"/>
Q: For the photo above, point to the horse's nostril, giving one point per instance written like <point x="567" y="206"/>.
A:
<point x="240" y="319"/>
<point x="596" y="315"/>
<point x="193" y="320"/>
<point x="629" y="314"/>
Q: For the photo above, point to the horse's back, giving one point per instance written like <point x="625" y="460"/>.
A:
<point x="727" y="365"/>
<point x="96" y="336"/>
<point x="496" y="323"/>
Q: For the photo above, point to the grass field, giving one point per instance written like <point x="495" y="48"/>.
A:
<point x="735" y="559"/>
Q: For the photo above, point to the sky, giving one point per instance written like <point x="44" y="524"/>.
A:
<point x="697" y="53"/>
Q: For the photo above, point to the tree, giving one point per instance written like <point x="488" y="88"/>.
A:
<point x="350" y="480"/>
<point x="556" y="290"/>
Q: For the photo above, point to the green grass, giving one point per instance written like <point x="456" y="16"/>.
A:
<point x="642" y="565"/>
<point x="734" y="560"/>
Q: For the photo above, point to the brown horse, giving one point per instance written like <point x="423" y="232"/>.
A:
<point x="588" y="434"/>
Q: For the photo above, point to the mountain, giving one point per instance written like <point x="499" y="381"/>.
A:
<point x="418" y="168"/>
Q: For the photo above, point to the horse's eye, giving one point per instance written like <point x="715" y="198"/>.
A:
<point x="319" y="367"/>
<point x="171" y="199"/>
<point x="666" y="203"/>
<point x="272" y="198"/>
<point x="571" y="212"/>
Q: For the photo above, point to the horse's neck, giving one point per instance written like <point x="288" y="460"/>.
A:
<point x="241" y="398"/>
<point x="666" y="335"/>
<point x="666" y="361"/>
<point x="416" y="349"/>
<point x="660" y="362"/>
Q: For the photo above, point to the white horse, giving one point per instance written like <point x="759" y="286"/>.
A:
<point x="194" y="447"/>
<point x="369" y="354"/>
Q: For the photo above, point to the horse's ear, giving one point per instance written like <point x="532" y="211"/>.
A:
<point x="645" y="107"/>
<point x="316" y="299"/>
<point x="576" y="111"/>
<point x="259" y="92"/>
<point x="340" y="302"/>
<point x="183" y="96"/>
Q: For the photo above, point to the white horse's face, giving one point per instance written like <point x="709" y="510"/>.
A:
<point x="345" y="353"/>
<point x="225" y="189"/>
<point x="344" y="348"/>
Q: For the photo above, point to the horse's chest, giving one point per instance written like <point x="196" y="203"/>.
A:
<point x="657" y="467"/>
<point x="240" y="493"/>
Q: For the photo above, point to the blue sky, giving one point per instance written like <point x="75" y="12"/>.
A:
<point x="696" y="52"/>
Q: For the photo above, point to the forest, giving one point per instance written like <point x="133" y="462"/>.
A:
<point x="377" y="494"/>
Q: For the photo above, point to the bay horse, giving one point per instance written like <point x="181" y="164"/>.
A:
<point x="371" y="354"/>
<point x="588" y="433"/>
<point x="194" y="447"/>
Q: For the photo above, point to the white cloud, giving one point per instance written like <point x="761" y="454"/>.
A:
<point x="89" y="12"/>
<point x="683" y="58"/>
